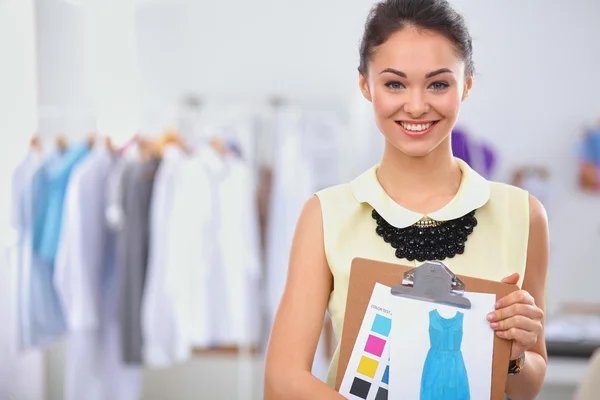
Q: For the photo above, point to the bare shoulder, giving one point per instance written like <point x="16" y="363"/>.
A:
<point x="308" y="263"/>
<point x="312" y="212"/>
<point x="309" y="233"/>
<point x="538" y="218"/>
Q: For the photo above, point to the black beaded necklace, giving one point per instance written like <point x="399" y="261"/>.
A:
<point x="427" y="240"/>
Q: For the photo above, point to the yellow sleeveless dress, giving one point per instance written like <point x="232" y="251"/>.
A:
<point x="496" y="248"/>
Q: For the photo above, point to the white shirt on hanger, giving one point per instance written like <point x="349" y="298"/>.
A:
<point x="187" y="253"/>
<point x="81" y="257"/>
<point x="21" y="221"/>
<point x="162" y="345"/>
<point x="22" y="368"/>
<point x="236" y="269"/>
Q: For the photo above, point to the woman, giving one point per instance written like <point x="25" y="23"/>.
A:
<point x="416" y="68"/>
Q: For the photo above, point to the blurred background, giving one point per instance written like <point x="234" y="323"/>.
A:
<point x="103" y="101"/>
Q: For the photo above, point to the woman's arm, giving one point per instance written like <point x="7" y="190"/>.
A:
<point x="299" y="320"/>
<point x="528" y="384"/>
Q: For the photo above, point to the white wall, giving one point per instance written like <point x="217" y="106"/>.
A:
<point x="65" y="93"/>
<point x="250" y="49"/>
<point x="536" y="86"/>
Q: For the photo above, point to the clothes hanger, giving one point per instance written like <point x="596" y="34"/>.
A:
<point x="36" y="144"/>
<point x="62" y="143"/>
<point x="218" y="145"/>
<point x="173" y="137"/>
<point x="109" y="144"/>
<point x="91" y="140"/>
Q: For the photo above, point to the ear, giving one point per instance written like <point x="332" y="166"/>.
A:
<point x="467" y="87"/>
<point x="363" y="83"/>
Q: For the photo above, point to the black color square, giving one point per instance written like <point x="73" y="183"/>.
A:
<point x="360" y="388"/>
<point x="382" y="394"/>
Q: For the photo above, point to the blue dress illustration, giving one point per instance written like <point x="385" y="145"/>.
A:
<point x="444" y="373"/>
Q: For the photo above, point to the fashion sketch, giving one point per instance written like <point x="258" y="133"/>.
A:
<point x="444" y="373"/>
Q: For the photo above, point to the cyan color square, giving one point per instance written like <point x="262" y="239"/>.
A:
<point x="382" y="325"/>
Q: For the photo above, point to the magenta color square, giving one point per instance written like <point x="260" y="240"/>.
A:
<point x="375" y="345"/>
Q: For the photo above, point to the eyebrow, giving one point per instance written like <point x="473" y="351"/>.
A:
<point x="429" y="75"/>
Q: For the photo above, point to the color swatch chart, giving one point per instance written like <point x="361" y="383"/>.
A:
<point x="367" y="375"/>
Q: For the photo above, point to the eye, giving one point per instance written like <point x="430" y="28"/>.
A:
<point x="394" y="85"/>
<point x="437" y="86"/>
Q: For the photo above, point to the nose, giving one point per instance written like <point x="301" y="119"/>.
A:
<point x="416" y="104"/>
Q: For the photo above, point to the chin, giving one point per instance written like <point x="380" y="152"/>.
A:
<point x="415" y="151"/>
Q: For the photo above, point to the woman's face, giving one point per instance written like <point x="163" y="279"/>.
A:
<point x="416" y="83"/>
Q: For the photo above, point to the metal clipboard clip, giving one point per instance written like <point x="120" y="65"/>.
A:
<point x="433" y="282"/>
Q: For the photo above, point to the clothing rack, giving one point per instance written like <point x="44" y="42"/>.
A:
<point x="246" y="355"/>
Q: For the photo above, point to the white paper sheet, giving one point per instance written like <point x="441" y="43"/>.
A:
<point x="367" y="375"/>
<point x="441" y="352"/>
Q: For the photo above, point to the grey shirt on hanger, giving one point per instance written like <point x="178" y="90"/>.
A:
<point x="137" y="182"/>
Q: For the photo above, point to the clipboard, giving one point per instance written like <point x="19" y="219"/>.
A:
<point x="432" y="281"/>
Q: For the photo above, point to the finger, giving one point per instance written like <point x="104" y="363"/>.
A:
<point x="526" y="310"/>
<point x="511" y="279"/>
<point x="523" y="338"/>
<point x="519" y="322"/>
<point x="519" y="296"/>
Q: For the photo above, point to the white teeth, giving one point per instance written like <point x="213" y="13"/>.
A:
<point x="416" y="127"/>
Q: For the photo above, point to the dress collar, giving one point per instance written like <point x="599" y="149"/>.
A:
<point x="473" y="193"/>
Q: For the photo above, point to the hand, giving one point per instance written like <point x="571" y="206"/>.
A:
<point x="517" y="318"/>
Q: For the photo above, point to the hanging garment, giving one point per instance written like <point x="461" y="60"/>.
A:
<point x="133" y="241"/>
<point x="478" y="156"/>
<point x="22" y="221"/>
<point x="81" y="256"/>
<point x="444" y="373"/>
<point x="589" y="165"/>
<point x="59" y="174"/>
<point x="162" y="343"/>
<point x="48" y="192"/>
<point x="234" y="275"/>
<point x="127" y="381"/>
<point x="44" y="313"/>
<point x="188" y="256"/>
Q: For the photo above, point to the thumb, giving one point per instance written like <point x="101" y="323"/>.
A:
<point x="512" y="279"/>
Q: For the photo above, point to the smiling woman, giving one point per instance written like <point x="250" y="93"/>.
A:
<point x="415" y="69"/>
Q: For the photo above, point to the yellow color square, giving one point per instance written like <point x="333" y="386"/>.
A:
<point x="367" y="367"/>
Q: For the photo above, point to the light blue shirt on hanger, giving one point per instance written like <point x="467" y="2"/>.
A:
<point x="49" y="183"/>
<point x="59" y="174"/>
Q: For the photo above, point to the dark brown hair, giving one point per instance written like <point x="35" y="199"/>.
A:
<point x="390" y="16"/>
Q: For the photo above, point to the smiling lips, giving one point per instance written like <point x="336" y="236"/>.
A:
<point x="416" y="128"/>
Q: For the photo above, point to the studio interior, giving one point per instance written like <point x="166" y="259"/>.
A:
<point x="273" y="85"/>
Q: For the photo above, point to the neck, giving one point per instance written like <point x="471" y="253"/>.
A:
<point x="433" y="179"/>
